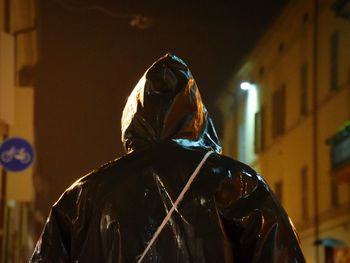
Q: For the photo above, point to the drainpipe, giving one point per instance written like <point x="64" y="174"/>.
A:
<point x="315" y="125"/>
<point x="4" y="133"/>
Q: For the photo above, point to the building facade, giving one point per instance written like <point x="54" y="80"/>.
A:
<point x="18" y="57"/>
<point x="286" y="112"/>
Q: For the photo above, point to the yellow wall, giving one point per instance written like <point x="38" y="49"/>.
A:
<point x="284" y="157"/>
<point x="22" y="16"/>
<point x="18" y="122"/>
<point x="20" y="184"/>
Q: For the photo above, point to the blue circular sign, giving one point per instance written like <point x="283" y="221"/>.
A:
<point x="16" y="154"/>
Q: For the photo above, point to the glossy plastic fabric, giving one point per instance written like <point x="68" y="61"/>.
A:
<point x="228" y="215"/>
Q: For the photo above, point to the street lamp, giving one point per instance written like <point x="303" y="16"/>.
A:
<point x="245" y="85"/>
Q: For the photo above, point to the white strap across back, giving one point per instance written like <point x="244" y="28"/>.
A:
<point x="178" y="200"/>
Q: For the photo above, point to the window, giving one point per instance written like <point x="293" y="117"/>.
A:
<point x="26" y="76"/>
<point x="279" y="190"/>
<point x="280" y="46"/>
<point x="340" y="155"/>
<point x="261" y="71"/>
<point x="278" y="111"/>
<point x="340" y="150"/>
<point x="334" y="56"/>
<point x="259" y="131"/>
<point x="334" y="194"/>
<point x="304" y="193"/>
<point x="303" y="89"/>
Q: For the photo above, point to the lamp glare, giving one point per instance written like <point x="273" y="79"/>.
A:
<point x="245" y="85"/>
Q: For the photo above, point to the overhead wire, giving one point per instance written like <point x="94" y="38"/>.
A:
<point x="136" y="20"/>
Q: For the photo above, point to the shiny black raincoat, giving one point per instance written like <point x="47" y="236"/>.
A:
<point x="229" y="213"/>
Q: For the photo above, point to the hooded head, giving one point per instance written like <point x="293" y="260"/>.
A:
<point x="166" y="105"/>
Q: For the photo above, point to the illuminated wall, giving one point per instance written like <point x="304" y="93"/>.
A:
<point x="281" y="67"/>
<point x="18" y="58"/>
<point x="246" y="124"/>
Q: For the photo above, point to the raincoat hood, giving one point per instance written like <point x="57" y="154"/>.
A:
<point x="166" y="104"/>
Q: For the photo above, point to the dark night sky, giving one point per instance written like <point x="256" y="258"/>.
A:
<point x="90" y="61"/>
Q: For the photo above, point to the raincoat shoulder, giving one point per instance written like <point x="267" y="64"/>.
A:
<point x="63" y="234"/>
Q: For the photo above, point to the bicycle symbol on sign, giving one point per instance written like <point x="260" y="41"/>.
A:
<point x="16" y="154"/>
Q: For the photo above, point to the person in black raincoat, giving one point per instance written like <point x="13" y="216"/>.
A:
<point x="229" y="214"/>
